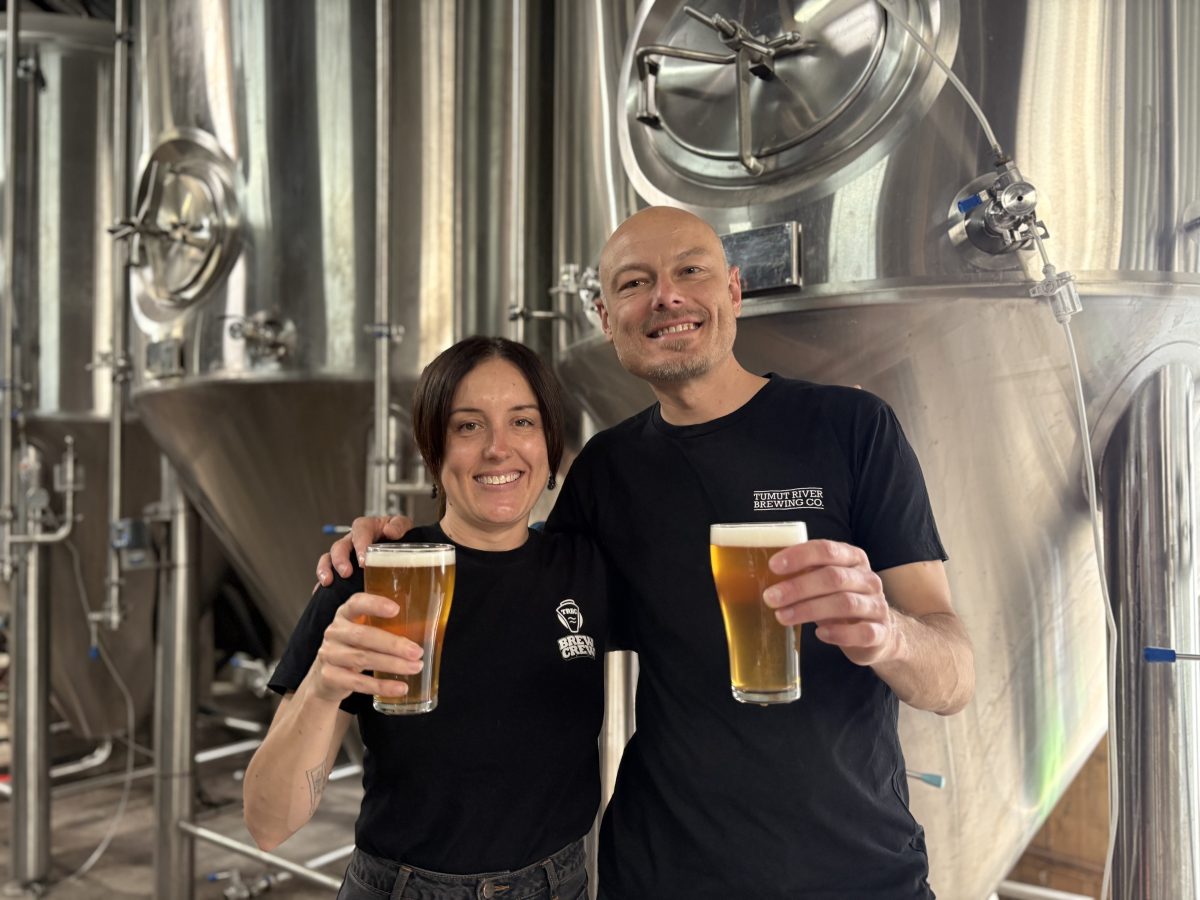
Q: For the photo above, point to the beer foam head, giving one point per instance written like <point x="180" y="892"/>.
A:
<point x="758" y="534"/>
<point x="411" y="556"/>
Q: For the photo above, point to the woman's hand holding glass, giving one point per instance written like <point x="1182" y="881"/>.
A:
<point x="353" y="651"/>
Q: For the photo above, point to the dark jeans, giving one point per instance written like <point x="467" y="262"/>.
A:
<point x="562" y="876"/>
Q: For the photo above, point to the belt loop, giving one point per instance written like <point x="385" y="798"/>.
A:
<point x="552" y="877"/>
<point x="402" y="877"/>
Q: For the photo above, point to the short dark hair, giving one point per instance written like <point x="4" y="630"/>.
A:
<point x="434" y="395"/>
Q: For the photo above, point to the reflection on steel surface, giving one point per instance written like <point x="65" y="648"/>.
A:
<point x="1099" y="109"/>
<point x="1150" y="508"/>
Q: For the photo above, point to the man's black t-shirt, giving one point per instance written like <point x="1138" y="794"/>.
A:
<point x="505" y="771"/>
<point x="715" y="798"/>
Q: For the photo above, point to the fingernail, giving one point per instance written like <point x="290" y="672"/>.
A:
<point x="771" y="597"/>
<point x="362" y="560"/>
<point x="778" y="565"/>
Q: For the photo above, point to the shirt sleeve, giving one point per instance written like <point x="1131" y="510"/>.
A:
<point x="306" y="639"/>
<point x="891" y="517"/>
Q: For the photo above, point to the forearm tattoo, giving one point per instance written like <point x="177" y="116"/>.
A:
<point x="317" y="779"/>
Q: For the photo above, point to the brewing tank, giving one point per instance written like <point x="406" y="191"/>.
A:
<point x="254" y="260"/>
<point x="63" y="313"/>
<point x="834" y="169"/>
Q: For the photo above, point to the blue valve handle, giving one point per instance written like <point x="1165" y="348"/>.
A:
<point x="335" y="529"/>
<point x="930" y="778"/>
<point x="967" y="204"/>
<point x="1166" y="655"/>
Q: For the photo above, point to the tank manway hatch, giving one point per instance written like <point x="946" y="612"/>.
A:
<point x="185" y="234"/>
<point x="725" y="96"/>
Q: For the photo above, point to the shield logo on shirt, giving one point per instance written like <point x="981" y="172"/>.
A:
<point x="570" y="616"/>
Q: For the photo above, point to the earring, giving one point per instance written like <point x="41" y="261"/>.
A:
<point x="433" y="493"/>
<point x="552" y="483"/>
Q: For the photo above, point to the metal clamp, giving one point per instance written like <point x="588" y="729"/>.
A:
<point x="752" y="55"/>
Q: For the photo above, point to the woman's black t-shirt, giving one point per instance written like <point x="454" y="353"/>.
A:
<point x="505" y="771"/>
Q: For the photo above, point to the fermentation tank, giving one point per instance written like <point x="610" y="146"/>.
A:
<point x="833" y="155"/>
<point x="254" y="261"/>
<point x="63" y="313"/>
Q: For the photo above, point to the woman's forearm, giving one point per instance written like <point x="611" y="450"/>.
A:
<point x="288" y="773"/>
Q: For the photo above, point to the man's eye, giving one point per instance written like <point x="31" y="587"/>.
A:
<point x="692" y="270"/>
<point x="633" y="283"/>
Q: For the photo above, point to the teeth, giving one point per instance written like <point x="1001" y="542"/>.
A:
<point x="498" y="479"/>
<point x="675" y="329"/>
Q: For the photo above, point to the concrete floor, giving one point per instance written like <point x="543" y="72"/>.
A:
<point x="79" y="822"/>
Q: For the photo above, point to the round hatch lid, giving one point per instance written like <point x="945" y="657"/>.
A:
<point x="186" y="230"/>
<point x="773" y="95"/>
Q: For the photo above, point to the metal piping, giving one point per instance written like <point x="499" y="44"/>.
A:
<point x="110" y="613"/>
<point x="175" y="701"/>
<point x="517" y="160"/>
<point x="271" y="859"/>
<point x="29" y="704"/>
<point x="7" y="311"/>
<point x="377" y="482"/>
<point x="1012" y="890"/>
<point x="1150" y="521"/>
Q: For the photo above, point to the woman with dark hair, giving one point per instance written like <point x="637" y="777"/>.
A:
<point x="491" y="793"/>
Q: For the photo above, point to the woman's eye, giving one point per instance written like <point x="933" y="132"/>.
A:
<point x="468" y="426"/>
<point x="525" y="423"/>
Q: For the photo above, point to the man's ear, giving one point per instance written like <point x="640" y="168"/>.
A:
<point x="735" y="289"/>
<point x="603" y="311"/>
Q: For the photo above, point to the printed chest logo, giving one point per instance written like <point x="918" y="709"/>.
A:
<point x="574" y="645"/>
<point x="790" y="498"/>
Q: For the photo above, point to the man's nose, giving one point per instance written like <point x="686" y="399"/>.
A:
<point x="666" y="292"/>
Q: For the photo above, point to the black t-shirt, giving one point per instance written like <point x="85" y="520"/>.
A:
<point x="505" y="771"/>
<point x="715" y="798"/>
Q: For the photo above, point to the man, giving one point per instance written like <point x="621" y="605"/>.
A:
<point x="715" y="798"/>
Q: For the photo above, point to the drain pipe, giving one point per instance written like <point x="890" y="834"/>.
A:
<point x="110" y="613"/>
<point x="175" y="699"/>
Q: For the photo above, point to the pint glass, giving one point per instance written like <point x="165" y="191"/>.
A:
<point x="764" y="656"/>
<point x="420" y="579"/>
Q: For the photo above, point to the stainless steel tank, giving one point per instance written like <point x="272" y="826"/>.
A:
<point x="257" y="265"/>
<point x="849" y="141"/>
<point x="255" y="253"/>
<point x="63" y="311"/>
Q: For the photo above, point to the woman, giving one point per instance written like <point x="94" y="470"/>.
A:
<point x="489" y="794"/>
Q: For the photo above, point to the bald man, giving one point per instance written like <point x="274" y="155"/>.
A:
<point x="716" y="799"/>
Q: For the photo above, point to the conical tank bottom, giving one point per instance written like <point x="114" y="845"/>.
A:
<point x="268" y="463"/>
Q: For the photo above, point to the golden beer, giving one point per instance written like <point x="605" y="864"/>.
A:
<point x="764" y="656"/>
<point x="420" y="579"/>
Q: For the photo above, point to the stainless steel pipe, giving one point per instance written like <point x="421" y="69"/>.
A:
<point x="378" y="475"/>
<point x="175" y="701"/>
<point x="29" y="703"/>
<point x="1150" y="520"/>
<point x="9" y="302"/>
<point x="118" y="358"/>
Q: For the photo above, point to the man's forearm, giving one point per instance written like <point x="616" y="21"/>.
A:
<point x="934" y="665"/>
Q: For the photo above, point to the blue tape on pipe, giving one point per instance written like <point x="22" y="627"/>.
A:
<point x="1159" y="654"/>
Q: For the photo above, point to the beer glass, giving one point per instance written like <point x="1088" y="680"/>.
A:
<point x="420" y="579"/>
<point x="764" y="656"/>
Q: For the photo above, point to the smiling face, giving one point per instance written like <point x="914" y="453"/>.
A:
<point x="670" y="300"/>
<point x="495" y="465"/>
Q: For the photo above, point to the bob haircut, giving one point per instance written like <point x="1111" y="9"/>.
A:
<point x="434" y="395"/>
